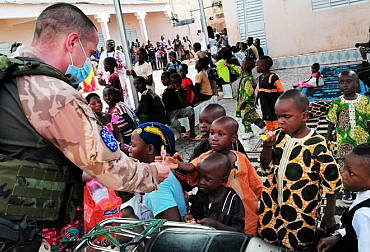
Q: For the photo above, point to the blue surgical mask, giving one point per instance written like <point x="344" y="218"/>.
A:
<point x="79" y="74"/>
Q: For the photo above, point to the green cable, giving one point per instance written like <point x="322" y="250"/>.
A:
<point x="153" y="225"/>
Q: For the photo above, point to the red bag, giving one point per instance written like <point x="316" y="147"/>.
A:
<point x="100" y="203"/>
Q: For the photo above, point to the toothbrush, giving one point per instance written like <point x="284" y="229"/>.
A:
<point x="163" y="153"/>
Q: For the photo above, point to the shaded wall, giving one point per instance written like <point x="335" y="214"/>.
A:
<point x="292" y="27"/>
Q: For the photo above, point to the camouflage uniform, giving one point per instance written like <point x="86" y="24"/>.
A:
<point x="61" y="115"/>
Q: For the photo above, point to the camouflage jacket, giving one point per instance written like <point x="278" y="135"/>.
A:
<point x="60" y="114"/>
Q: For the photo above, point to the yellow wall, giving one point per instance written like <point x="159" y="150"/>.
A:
<point x="157" y="24"/>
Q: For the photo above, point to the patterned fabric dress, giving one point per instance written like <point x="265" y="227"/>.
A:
<point x="300" y="171"/>
<point x="351" y="118"/>
<point x="246" y="90"/>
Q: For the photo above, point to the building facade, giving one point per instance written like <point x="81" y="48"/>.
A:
<point x="290" y="27"/>
<point x="143" y="20"/>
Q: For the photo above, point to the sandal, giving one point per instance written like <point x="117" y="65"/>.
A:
<point x="197" y="138"/>
<point x="185" y="136"/>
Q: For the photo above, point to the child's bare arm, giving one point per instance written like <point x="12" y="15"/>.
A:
<point x="192" y="87"/>
<point x="328" y="221"/>
<point x="170" y="214"/>
<point x="186" y="167"/>
<point x="256" y="98"/>
<point x="317" y="79"/>
<point x="325" y="244"/>
<point x="329" y="135"/>
<point x="266" y="154"/>
<point x="175" y="164"/>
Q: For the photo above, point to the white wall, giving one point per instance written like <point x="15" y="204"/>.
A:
<point x="231" y="20"/>
<point x="292" y="27"/>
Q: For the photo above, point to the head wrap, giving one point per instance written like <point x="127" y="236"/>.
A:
<point x="157" y="134"/>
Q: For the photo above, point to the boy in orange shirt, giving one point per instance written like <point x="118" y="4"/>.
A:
<point x="243" y="177"/>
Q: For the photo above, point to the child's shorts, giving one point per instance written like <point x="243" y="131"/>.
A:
<point x="180" y="113"/>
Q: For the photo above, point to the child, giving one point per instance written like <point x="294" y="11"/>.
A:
<point x="269" y="89"/>
<point x="216" y="205"/>
<point x="187" y="84"/>
<point x="174" y="64"/>
<point x="151" y="107"/>
<point x="127" y="119"/>
<point x="198" y="51"/>
<point x="350" y="114"/>
<point x="174" y="100"/>
<point x="300" y="167"/>
<point x="245" y="101"/>
<point x="315" y="80"/>
<point x="143" y="68"/>
<point x="168" y="202"/>
<point x="165" y="79"/>
<point x="206" y="117"/>
<point x="243" y="177"/>
<point x="158" y="55"/>
<point x="109" y="121"/>
<point x="202" y="84"/>
<point x="110" y="65"/>
<point x="222" y="68"/>
<point x="356" y="177"/>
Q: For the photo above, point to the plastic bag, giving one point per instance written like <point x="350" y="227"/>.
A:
<point x="100" y="203"/>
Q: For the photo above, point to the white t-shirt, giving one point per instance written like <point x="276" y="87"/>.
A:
<point x="186" y="45"/>
<point x="144" y="70"/>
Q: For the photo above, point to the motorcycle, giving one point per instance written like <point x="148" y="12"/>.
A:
<point x="122" y="234"/>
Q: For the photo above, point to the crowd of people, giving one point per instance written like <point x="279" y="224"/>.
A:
<point x="55" y="130"/>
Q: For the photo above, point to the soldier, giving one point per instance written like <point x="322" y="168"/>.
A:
<point x="47" y="131"/>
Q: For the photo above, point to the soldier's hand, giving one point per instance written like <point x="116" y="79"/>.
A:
<point x="163" y="170"/>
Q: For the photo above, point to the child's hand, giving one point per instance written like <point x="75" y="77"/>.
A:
<point x="102" y="82"/>
<point x="243" y="105"/>
<point x="226" y="64"/>
<point x="328" y="223"/>
<point x="171" y="161"/>
<point x="325" y="244"/>
<point x="270" y="140"/>
<point x="188" y="218"/>
<point x="125" y="148"/>
<point x="208" y="222"/>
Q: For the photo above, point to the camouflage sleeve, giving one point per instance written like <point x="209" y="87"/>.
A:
<point x="60" y="114"/>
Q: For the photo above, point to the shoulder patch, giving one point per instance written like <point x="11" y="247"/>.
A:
<point x="109" y="140"/>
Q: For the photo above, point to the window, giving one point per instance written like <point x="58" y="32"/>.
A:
<point x="319" y="5"/>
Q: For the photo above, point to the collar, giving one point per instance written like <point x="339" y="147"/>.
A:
<point x="361" y="196"/>
<point x="351" y="101"/>
<point x="24" y="51"/>
<point x="303" y="139"/>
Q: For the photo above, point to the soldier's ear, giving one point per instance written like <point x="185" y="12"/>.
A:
<point x="71" y="39"/>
